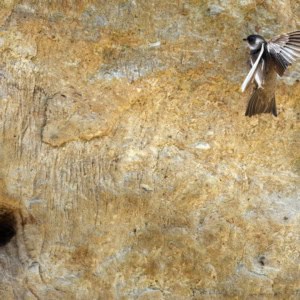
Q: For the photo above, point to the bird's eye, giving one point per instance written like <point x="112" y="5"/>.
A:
<point x="251" y="39"/>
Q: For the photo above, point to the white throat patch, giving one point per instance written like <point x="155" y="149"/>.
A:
<point x="253" y="47"/>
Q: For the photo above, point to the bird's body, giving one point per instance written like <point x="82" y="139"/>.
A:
<point x="262" y="99"/>
<point x="267" y="60"/>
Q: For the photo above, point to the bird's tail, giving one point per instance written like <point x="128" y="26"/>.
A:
<point x="259" y="103"/>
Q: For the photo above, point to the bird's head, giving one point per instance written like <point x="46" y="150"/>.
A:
<point x="255" y="41"/>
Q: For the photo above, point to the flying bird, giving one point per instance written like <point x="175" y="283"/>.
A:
<point x="268" y="58"/>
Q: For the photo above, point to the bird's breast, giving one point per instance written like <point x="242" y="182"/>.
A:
<point x="270" y="80"/>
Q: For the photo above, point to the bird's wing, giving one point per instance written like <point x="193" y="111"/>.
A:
<point x="284" y="50"/>
<point x="253" y="70"/>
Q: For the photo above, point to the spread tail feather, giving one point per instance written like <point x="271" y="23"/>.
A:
<point x="259" y="103"/>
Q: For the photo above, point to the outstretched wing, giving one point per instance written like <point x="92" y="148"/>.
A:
<point x="284" y="50"/>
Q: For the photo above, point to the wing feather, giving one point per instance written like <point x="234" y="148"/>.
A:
<point x="292" y="52"/>
<point x="284" y="50"/>
<point x="297" y="32"/>
<point x="287" y="56"/>
<point x="294" y="48"/>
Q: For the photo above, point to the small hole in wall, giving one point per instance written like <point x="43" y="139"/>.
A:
<point x="7" y="226"/>
<point x="262" y="260"/>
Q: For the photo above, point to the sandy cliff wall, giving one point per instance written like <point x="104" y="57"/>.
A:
<point x="127" y="167"/>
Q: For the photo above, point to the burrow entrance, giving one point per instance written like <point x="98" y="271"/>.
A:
<point x="8" y="225"/>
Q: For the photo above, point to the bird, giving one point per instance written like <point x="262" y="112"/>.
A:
<point x="267" y="59"/>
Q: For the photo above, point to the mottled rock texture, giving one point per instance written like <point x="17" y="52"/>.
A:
<point x="127" y="167"/>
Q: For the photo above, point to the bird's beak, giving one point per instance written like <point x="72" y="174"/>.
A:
<point x="244" y="39"/>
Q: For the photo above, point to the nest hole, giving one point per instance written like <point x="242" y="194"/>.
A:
<point x="8" y="226"/>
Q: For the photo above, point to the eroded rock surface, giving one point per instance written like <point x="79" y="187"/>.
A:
<point x="128" y="169"/>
